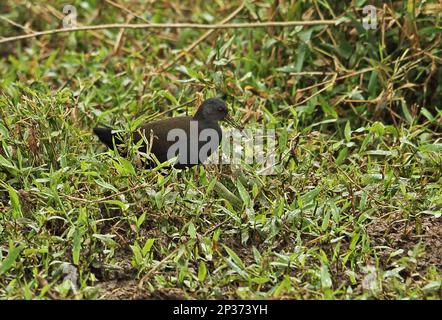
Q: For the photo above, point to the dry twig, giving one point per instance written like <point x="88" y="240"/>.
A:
<point x="269" y="24"/>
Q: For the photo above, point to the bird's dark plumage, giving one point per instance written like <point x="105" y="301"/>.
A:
<point x="105" y="135"/>
<point x="200" y="143"/>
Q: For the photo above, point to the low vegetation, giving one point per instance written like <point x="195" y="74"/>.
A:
<point x="352" y="211"/>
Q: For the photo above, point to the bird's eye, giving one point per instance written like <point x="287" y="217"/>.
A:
<point x="220" y="109"/>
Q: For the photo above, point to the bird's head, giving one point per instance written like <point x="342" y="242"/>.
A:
<point x="215" y="109"/>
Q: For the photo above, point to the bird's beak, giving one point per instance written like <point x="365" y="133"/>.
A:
<point x="233" y="123"/>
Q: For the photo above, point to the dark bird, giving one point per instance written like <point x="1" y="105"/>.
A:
<point x="191" y="139"/>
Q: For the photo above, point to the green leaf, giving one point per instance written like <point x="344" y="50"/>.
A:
<point x="31" y="251"/>
<point x="344" y="48"/>
<point x="378" y="128"/>
<point x="15" y="202"/>
<point x="191" y="230"/>
<point x="279" y="209"/>
<point x="166" y="94"/>
<point x="354" y="240"/>
<point x="225" y="193"/>
<point x="406" y="112"/>
<point x="256" y="255"/>
<point x="433" y="286"/>
<point x="283" y="286"/>
<point x="427" y="114"/>
<point x="119" y="167"/>
<point x="202" y="271"/>
<point x="310" y="196"/>
<point x="373" y="84"/>
<point x="147" y="246"/>
<point x="106" y="239"/>
<point x="141" y="219"/>
<point x="50" y="59"/>
<point x="8" y="262"/>
<point x="5" y="163"/>
<point x="300" y="57"/>
<point x="434" y="147"/>
<point x="106" y="185"/>
<point x="347" y="131"/>
<point x="122" y="205"/>
<point x="327" y="108"/>
<point x="234" y="257"/>
<point x="138" y="257"/>
<point x="287" y="69"/>
<point x="159" y="197"/>
<point x="260" y="280"/>
<point x="326" y="220"/>
<point x="342" y="155"/>
<point x="326" y="281"/>
<point x="306" y="35"/>
<point x="76" y="247"/>
<point x="127" y="165"/>
<point x="243" y="194"/>
<point x="211" y="185"/>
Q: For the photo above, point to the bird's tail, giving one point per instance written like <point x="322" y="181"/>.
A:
<point x="108" y="137"/>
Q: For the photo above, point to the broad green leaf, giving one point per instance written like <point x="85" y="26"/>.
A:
<point x="191" y="230"/>
<point x="15" y="202"/>
<point x="326" y="281"/>
<point x="234" y="257"/>
<point x="260" y="280"/>
<point x="243" y="193"/>
<point x="310" y="196"/>
<point x="106" y="185"/>
<point x="122" y="205"/>
<point x="427" y="114"/>
<point x="406" y="112"/>
<point x="202" y="271"/>
<point x="347" y="131"/>
<point x="326" y="220"/>
<point x="434" y="147"/>
<point x="373" y="84"/>
<point x="147" y="246"/>
<point x="6" y="163"/>
<point x="342" y="155"/>
<point x="138" y="257"/>
<point x="127" y="165"/>
<point x="8" y="262"/>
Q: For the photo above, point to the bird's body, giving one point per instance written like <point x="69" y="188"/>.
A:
<point x="191" y="139"/>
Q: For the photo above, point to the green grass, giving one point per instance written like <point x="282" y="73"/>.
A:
<point x="353" y="210"/>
